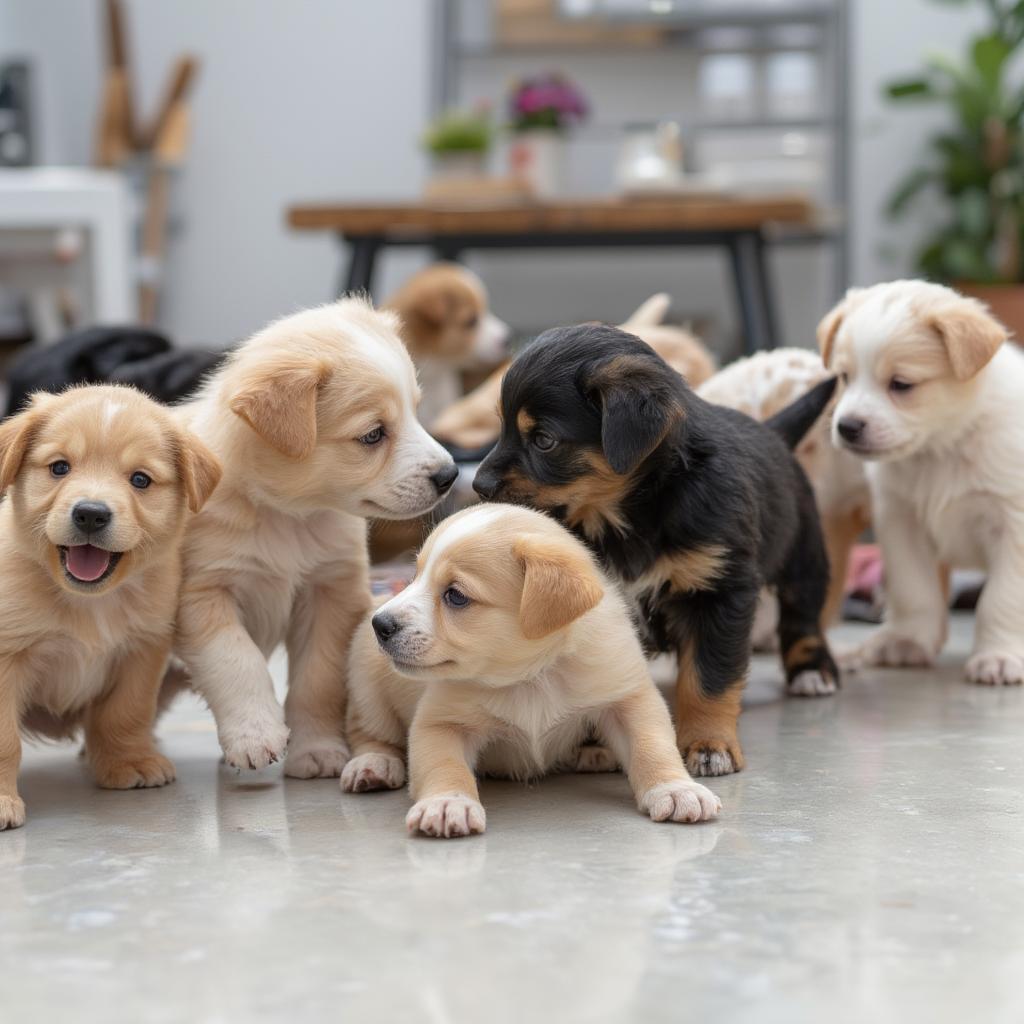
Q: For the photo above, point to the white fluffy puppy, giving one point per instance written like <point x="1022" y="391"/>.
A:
<point x="506" y="653"/>
<point x="930" y="394"/>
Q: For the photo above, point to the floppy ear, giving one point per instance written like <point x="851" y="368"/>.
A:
<point x="830" y="324"/>
<point x="200" y="470"/>
<point x="639" y="405"/>
<point x="971" y="335"/>
<point x="17" y="434"/>
<point x="279" y="403"/>
<point x="560" y="584"/>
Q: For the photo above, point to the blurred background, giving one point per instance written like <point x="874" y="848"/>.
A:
<point x="197" y="166"/>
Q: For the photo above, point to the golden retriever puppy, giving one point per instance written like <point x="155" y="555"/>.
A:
<point x="448" y="327"/>
<point x="761" y="386"/>
<point x="505" y="654"/>
<point x="930" y="398"/>
<point x="99" y="482"/>
<point x="314" y="420"/>
<point x="473" y="421"/>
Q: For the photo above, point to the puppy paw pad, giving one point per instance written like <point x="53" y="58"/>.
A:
<point x="594" y="758"/>
<point x="368" y="772"/>
<point x="811" y="683"/>
<point x="995" y="669"/>
<point x="680" y="801"/>
<point x="145" y="772"/>
<point x="12" y="812"/>
<point x="447" y="817"/>
<point x="323" y="760"/>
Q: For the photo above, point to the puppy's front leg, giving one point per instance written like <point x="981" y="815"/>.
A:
<point x="12" y="808"/>
<point x="119" y="725"/>
<point x="639" y="730"/>
<point x="998" y="657"/>
<point x="915" y="616"/>
<point x="441" y="779"/>
<point x="324" y="618"/>
<point x="231" y="674"/>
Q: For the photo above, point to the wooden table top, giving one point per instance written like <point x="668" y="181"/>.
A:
<point x="685" y="213"/>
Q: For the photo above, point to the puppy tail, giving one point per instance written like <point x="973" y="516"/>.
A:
<point x="793" y="422"/>
<point x="651" y="312"/>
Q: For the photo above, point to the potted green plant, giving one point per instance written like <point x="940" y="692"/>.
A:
<point x="975" y="164"/>
<point x="542" y="109"/>
<point x="459" y="142"/>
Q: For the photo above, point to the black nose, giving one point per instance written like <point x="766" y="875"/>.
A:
<point x="91" y="516"/>
<point x="486" y="483"/>
<point x="385" y="626"/>
<point x="445" y="477"/>
<point x="850" y="428"/>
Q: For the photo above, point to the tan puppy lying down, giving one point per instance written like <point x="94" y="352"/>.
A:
<point x="99" y="483"/>
<point x="505" y="654"/>
<point x="314" y="419"/>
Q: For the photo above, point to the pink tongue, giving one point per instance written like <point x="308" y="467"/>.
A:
<point x="87" y="563"/>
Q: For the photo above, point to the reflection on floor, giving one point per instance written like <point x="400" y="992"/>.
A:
<point x="866" y="867"/>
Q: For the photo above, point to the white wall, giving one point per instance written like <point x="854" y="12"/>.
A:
<point x="297" y="99"/>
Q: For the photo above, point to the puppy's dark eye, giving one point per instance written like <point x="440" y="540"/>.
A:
<point x="375" y="436"/>
<point x="899" y="385"/>
<point x="60" y="468"/>
<point x="544" y="441"/>
<point x="455" y="598"/>
<point x="139" y="480"/>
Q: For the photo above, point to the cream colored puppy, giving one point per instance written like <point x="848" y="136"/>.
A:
<point x="314" y="420"/>
<point x="506" y="653"/>
<point x="100" y="482"/>
<point x="930" y="396"/>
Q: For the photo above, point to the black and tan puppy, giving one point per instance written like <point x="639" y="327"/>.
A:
<point x="693" y="506"/>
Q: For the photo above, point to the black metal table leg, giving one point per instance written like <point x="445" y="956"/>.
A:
<point x="747" y="293"/>
<point x="769" y="310"/>
<point x="447" y="251"/>
<point x="362" y="260"/>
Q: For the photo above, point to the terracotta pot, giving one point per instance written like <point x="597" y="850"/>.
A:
<point x="1005" y="300"/>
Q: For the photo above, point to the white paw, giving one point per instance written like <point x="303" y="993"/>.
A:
<point x="592" y="757"/>
<point x="257" y="742"/>
<point x="991" y="668"/>
<point x="12" y="812"/>
<point x="811" y="683"/>
<point x="316" y="759"/>
<point x="447" y="816"/>
<point x="680" y="801"/>
<point x="367" y="772"/>
<point x="896" y="650"/>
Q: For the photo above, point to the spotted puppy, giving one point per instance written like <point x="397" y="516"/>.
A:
<point x="694" y="507"/>
<point x="508" y="650"/>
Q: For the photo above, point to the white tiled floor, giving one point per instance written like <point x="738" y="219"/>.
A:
<point x="867" y="867"/>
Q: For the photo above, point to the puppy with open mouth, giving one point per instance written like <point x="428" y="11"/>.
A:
<point x="99" y="484"/>
<point x="314" y="419"/>
<point x="506" y="654"/>
<point x="694" y="507"/>
<point x="930" y="391"/>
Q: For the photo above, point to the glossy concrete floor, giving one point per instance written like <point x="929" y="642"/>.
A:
<point x="867" y="867"/>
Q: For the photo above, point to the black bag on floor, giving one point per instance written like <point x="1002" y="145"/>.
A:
<point x="101" y="355"/>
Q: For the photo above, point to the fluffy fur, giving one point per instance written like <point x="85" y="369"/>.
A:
<point x="694" y="507"/>
<point x="761" y="386"/>
<point x="475" y="421"/>
<point x="930" y="397"/>
<point x="568" y="667"/>
<point x="315" y="422"/>
<point x="448" y="327"/>
<point x="99" y="479"/>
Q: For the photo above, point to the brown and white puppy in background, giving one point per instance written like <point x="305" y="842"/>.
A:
<point x="314" y="419"/>
<point x="448" y="327"/>
<point x="474" y="421"/>
<point x="99" y="484"/>
<point x="930" y="397"/>
<point x="763" y="385"/>
<point x="508" y="652"/>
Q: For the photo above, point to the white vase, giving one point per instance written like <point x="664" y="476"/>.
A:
<point x="538" y="158"/>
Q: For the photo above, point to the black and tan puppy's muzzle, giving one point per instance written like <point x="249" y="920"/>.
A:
<point x="85" y="558"/>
